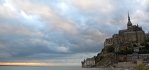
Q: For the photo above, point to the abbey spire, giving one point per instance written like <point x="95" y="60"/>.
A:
<point x="129" y="22"/>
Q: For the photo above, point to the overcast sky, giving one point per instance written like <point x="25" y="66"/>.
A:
<point x="63" y="31"/>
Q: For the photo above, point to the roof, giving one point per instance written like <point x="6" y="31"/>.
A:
<point x="122" y="31"/>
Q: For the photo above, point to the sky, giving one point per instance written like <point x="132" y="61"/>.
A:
<point x="63" y="31"/>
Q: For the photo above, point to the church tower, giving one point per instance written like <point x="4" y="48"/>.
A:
<point x="129" y="24"/>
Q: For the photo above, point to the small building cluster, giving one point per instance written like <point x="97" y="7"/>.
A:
<point x="89" y="62"/>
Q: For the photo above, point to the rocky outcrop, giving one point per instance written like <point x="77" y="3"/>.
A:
<point x="128" y="46"/>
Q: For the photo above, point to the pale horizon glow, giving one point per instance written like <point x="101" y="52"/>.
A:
<point x="36" y="64"/>
<point x="23" y="64"/>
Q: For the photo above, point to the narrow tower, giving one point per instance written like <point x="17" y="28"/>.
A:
<point x="129" y="24"/>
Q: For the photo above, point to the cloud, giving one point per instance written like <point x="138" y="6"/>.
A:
<point x="104" y="6"/>
<point x="63" y="49"/>
<point x="63" y="31"/>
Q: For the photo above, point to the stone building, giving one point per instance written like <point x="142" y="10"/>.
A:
<point x="108" y="42"/>
<point x="89" y="62"/>
<point x="147" y="35"/>
<point x="133" y="35"/>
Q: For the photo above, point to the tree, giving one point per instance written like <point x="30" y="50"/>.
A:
<point x="110" y="49"/>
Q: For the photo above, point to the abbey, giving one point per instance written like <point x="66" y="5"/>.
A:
<point x="132" y="36"/>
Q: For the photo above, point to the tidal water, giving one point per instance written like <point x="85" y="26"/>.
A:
<point x="53" y="68"/>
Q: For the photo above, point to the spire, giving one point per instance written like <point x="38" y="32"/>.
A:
<point x="129" y="22"/>
<point x="128" y="17"/>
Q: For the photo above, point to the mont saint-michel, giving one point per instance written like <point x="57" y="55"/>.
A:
<point x="128" y="48"/>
